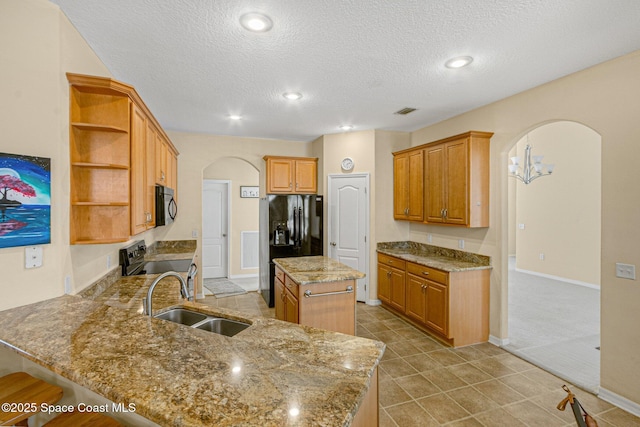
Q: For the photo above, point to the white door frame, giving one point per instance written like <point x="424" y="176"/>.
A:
<point x="228" y="184"/>
<point x="367" y="243"/>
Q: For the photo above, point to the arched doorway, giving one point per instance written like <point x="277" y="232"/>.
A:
<point x="554" y="255"/>
<point x="230" y="222"/>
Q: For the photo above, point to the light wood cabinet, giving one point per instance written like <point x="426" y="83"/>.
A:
<point x="454" y="306"/>
<point x="100" y="165"/>
<point x="455" y="178"/>
<point x="391" y="271"/>
<point x="408" y="185"/>
<point x="111" y="161"/>
<point x="333" y="312"/>
<point x="292" y="175"/>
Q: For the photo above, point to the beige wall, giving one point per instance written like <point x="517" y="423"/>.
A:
<point x="561" y="212"/>
<point x="605" y="99"/>
<point x="371" y="152"/>
<point x="198" y="152"/>
<point x="41" y="45"/>
<point x="243" y="211"/>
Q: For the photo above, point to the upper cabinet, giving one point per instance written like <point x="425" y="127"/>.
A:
<point x="292" y="175"/>
<point x="455" y="178"/>
<point x="408" y="185"/>
<point x="112" y="140"/>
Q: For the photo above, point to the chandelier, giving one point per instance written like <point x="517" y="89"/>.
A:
<point x="530" y="170"/>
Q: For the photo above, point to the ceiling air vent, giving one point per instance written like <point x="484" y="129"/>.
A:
<point x="405" y="111"/>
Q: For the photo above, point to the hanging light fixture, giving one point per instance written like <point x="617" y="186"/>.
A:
<point x="530" y="170"/>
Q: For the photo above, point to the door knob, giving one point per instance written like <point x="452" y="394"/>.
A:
<point x="224" y="235"/>
<point x="332" y="243"/>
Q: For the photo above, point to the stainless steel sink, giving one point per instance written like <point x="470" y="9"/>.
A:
<point x="222" y="326"/>
<point x="198" y="320"/>
<point x="182" y="316"/>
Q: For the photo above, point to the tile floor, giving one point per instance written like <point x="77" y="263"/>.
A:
<point x="423" y="383"/>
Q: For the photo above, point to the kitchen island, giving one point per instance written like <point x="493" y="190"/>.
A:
<point x="273" y="373"/>
<point x="316" y="291"/>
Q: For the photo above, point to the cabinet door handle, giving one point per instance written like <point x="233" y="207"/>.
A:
<point x="426" y="273"/>
<point x="445" y="213"/>
<point x="290" y="185"/>
<point x="406" y="211"/>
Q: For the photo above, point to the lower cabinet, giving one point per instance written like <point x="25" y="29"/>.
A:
<point x="325" y="307"/>
<point x="454" y="306"/>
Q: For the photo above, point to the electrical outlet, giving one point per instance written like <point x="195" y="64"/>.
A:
<point x="541" y="257"/>
<point x="626" y="271"/>
<point x="461" y="244"/>
<point x="521" y="226"/>
<point x="108" y="261"/>
<point x="429" y="238"/>
<point x="67" y="285"/>
<point x="194" y="233"/>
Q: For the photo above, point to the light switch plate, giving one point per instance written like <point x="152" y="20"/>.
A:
<point x="33" y="256"/>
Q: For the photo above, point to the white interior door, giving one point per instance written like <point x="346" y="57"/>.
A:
<point x="348" y="225"/>
<point x="215" y="228"/>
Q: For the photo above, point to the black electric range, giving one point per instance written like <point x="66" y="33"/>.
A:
<point x="133" y="263"/>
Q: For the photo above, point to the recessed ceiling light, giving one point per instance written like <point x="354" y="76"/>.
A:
<point x="293" y="96"/>
<point x="256" y="22"/>
<point x="458" y="62"/>
<point x="235" y="117"/>
<point x="346" y="127"/>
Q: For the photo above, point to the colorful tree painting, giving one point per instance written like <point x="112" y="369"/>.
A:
<point x="8" y="182"/>
<point x="25" y="201"/>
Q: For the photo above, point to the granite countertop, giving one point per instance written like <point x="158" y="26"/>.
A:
<point x="444" y="259"/>
<point x="316" y="269"/>
<point x="169" y="250"/>
<point x="181" y="376"/>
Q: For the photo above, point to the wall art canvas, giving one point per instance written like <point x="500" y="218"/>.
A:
<point x="25" y="200"/>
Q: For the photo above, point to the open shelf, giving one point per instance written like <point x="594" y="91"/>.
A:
<point x="99" y="127"/>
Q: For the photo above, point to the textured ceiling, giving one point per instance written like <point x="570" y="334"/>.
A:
<point x="355" y="61"/>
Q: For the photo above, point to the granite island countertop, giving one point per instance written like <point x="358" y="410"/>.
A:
<point x="444" y="259"/>
<point x="180" y="376"/>
<point x="316" y="269"/>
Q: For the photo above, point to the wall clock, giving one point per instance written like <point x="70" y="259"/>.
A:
<point x="347" y="163"/>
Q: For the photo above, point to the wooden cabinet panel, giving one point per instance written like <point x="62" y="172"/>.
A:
<point x="306" y="172"/>
<point x="291" y="175"/>
<point x="415" y="306"/>
<point x="291" y="307"/>
<point x="456" y="181"/>
<point x="328" y="309"/>
<point x="397" y="298"/>
<point x="408" y="188"/>
<point x="391" y="261"/>
<point x="150" y="173"/>
<point x="384" y="283"/>
<point x="279" y="299"/>
<point x="139" y="212"/>
<point x="437" y="303"/>
<point x="434" y="191"/>
<point x="161" y="161"/>
<point x="280" y="176"/>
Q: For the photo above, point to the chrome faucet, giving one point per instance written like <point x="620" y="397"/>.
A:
<point x="184" y="292"/>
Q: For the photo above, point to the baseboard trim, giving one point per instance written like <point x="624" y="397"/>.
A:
<point x="500" y="342"/>
<point x="373" y="302"/>
<point x="619" y="401"/>
<point x="242" y="276"/>
<point x="558" y="278"/>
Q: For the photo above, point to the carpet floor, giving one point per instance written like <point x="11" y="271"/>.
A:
<point x="555" y="325"/>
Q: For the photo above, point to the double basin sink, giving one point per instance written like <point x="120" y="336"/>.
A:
<point x="202" y="321"/>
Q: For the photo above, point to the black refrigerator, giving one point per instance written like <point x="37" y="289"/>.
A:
<point x="290" y="226"/>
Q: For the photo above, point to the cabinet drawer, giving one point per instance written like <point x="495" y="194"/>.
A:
<point x="280" y="274"/>
<point x="391" y="261"/>
<point x="428" y="273"/>
<point x="291" y="285"/>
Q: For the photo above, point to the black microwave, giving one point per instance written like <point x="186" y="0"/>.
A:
<point x="166" y="207"/>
